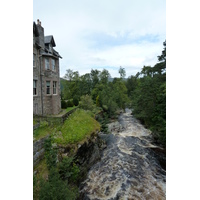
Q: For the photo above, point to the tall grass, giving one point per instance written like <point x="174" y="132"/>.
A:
<point x="77" y="127"/>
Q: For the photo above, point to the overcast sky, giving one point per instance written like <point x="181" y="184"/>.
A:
<point x="104" y="34"/>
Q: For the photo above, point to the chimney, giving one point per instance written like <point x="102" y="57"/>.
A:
<point x="38" y="22"/>
<point x="41" y="33"/>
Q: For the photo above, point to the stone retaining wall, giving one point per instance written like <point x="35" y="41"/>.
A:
<point x="38" y="150"/>
<point x="38" y="146"/>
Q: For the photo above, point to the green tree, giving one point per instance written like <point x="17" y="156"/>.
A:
<point x="86" y="103"/>
<point x="69" y="74"/>
<point x="122" y="72"/>
<point x="55" y="188"/>
<point x="95" y="77"/>
<point x="104" y="75"/>
<point x="149" y="97"/>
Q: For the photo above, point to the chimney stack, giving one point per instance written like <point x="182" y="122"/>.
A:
<point x="41" y="33"/>
<point x="38" y="22"/>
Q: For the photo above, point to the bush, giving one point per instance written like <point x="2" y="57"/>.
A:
<point x="75" y="101"/>
<point x="86" y="103"/>
<point x="55" y="188"/>
<point x="63" y="104"/>
<point x="70" y="103"/>
<point x="68" y="170"/>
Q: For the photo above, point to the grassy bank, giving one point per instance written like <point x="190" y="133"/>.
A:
<point x="79" y="125"/>
<point x="60" y="180"/>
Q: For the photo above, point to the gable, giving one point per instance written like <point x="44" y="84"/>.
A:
<point x="49" y="40"/>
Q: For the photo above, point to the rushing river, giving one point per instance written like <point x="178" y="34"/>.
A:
<point x="129" y="167"/>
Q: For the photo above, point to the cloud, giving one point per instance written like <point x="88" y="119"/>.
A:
<point x="113" y="33"/>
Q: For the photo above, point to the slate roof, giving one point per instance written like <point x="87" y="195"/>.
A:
<point x="35" y="30"/>
<point x="49" y="39"/>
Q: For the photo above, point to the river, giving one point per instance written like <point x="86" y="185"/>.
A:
<point x="129" y="167"/>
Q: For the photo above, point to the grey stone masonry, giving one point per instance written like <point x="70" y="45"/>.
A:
<point x="46" y="73"/>
<point x="38" y="150"/>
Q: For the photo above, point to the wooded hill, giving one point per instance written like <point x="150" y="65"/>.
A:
<point x="144" y="92"/>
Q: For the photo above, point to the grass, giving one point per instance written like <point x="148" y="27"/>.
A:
<point x="79" y="125"/>
<point x="42" y="169"/>
<point x="70" y="108"/>
<point x="34" y="122"/>
<point x="45" y="129"/>
<point x="75" y="129"/>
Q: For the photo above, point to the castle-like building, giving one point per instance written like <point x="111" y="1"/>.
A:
<point x="46" y="73"/>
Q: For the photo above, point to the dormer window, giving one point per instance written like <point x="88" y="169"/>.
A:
<point x="47" y="64"/>
<point x="50" y="48"/>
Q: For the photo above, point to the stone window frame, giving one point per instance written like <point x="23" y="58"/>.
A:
<point x="48" y="88"/>
<point x="34" y="87"/>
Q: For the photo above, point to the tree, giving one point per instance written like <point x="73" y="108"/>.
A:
<point x="104" y="75"/>
<point x="69" y="74"/>
<point x="122" y="72"/>
<point x="86" y="103"/>
<point x="95" y="77"/>
<point x="149" y="97"/>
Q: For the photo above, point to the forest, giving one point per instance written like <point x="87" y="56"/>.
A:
<point x="144" y="93"/>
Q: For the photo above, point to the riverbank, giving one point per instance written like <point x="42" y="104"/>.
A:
<point x="75" y="142"/>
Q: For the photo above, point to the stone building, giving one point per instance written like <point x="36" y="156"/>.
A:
<point x="46" y="73"/>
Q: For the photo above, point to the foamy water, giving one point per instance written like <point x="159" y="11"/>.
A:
<point x="129" y="168"/>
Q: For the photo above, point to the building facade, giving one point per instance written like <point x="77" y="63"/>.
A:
<point x="46" y="73"/>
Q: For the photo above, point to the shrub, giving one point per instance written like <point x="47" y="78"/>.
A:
<point x="70" y="103"/>
<point x="86" y="103"/>
<point x="50" y="153"/>
<point x="68" y="170"/>
<point x="55" y="188"/>
<point x="75" y="101"/>
<point x="63" y="104"/>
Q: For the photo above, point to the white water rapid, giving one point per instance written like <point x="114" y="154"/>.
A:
<point x="129" y="167"/>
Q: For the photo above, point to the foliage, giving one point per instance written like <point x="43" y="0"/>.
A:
<point x="68" y="170"/>
<point x="77" y="127"/>
<point x="149" y="97"/>
<point x="86" y="103"/>
<point x="63" y="104"/>
<point x="70" y="103"/>
<point x="122" y="72"/>
<point x="103" y="120"/>
<point x="55" y="188"/>
<point x="70" y="108"/>
<point x="75" y="100"/>
<point x="50" y="153"/>
<point x="145" y="93"/>
<point x="43" y="130"/>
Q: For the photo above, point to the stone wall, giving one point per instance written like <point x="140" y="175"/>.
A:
<point x="38" y="146"/>
<point x="38" y="150"/>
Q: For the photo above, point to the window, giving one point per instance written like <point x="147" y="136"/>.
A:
<point x="54" y="87"/>
<point x="34" y="60"/>
<point x="34" y="87"/>
<point x="53" y="65"/>
<point x="47" y="87"/>
<point x="47" y="63"/>
<point x="50" y="48"/>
